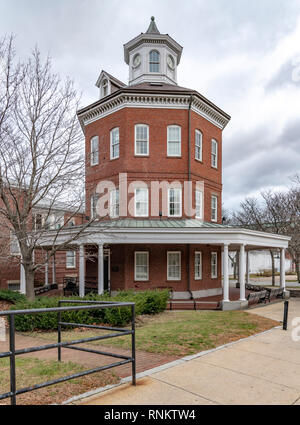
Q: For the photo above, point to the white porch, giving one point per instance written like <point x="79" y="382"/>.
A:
<point x="130" y="231"/>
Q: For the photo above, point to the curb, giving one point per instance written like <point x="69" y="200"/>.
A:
<point x="162" y="367"/>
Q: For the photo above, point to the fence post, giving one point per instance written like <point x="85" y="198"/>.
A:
<point x="12" y="348"/>
<point x="285" y="315"/>
<point x="133" y="344"/>
<point x="59" y="333"/>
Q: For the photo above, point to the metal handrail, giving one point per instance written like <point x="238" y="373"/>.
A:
<point x="91" y="305"/>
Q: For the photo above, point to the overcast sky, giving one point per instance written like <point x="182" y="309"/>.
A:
<point x="243" y="55"/>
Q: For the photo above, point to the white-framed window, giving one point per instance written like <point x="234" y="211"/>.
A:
<point x="70" y="259"/>
<point x="199" y="204"/>
<point x="214" y="265"/>
<point x="214" y="153"/>
<point x="141" y="202"/>
<point x="71" y="222"/>
<point x="38" y="221"/>
<point x="94" y="150"/>
<point x="141" y="265"/>
<point x="14" y="245"/>
<point x="174" y="202"/>
<point x="104" y="88"/>
<point x="94" y="200"/>
<point x="214" y="208"/>
<point x="154" y="61"/>
<point x="114" y="203"/>
<point x="198" y="145"/>
<point x="174" y="265"/>
<point x="141" y="145"/>
<point x="174" y="140"/>
<point x="54" y="221"/>
<point x="198" y="265"/>
<point x="114" y="143"/>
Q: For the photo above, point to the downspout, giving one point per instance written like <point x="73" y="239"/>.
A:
<point x="189" y="193"/>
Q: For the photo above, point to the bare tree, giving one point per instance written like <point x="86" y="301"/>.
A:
<point x="41" y="154"/>
<point x="276" y="212"/>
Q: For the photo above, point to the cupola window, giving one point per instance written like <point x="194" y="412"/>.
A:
<point x="154" y="61"/>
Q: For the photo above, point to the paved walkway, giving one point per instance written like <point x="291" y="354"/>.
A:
<point x="144" y="360"/>
<point x="264" y="369"/>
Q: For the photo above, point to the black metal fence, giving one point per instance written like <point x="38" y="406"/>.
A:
<point x="85" y="305"/>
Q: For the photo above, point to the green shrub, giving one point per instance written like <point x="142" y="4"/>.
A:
<point x="146" y="302"/>
<point x="11" y="296"/>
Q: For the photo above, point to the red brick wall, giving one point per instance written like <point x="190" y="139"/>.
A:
<point x="158" y="267"/>
<point x="157" y="166"/>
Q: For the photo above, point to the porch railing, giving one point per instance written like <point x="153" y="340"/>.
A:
<point x="84" y="305"/>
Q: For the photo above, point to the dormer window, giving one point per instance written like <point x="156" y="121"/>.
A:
<point x="104" y="88"/>
<point x="154" y="61"/>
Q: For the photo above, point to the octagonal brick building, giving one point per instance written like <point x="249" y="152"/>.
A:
<point x="154" y="180"/>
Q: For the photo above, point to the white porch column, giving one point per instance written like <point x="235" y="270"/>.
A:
<point x="53" y="270"/>
<point x="225" y="274"/>
<point x="242" y="273"/>
<point x="247" y="267"/>
<point x="46" y="274"/>
<point x="282" y="268"/>
<point x="100" y="270"/>
<point x="22" y="280"/>
<point x="81" y="271"/>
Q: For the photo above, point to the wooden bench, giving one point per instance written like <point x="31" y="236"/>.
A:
<point x="258" y="297"/>
<point x="70" y="284"/>
<point x="274" y="293"/>
<point x="254" y="288"/>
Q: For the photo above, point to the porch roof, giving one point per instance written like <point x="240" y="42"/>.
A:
<point x="157" y="223"/>
<point x="170" y="231"/>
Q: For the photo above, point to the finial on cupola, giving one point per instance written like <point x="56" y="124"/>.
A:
<point x="152" y="27"/>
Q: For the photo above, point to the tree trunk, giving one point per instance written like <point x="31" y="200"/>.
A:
<point x="273" y="267"/>
<point x="29" y="276"/>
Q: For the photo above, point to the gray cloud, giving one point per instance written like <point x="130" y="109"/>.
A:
<point x="283" y="77"/>
<point x="223" y="40"/>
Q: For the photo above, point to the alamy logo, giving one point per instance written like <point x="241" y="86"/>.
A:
<point x="296" y="331"/>
<point x="296" y="70"/>
<point x="2" y="329"/>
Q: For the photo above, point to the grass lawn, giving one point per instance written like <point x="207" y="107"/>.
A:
<point x="32" y="371"/>
<point x="181" y="333"/>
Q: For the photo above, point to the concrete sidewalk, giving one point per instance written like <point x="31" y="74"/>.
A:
<point x="262" y="369"/>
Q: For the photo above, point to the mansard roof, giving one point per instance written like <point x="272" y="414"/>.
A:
<point x="151" y="88"/>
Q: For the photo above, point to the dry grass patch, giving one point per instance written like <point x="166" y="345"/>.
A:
<point x="181" y="333"/>
<point x="32" y="371"/>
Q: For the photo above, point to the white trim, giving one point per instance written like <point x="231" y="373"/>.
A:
<point x="201" y="145"/>
<point x="114" y="202"/>
<point x="171" y="235"/>
<point x="14" y="240"/>
<point x="173" y="141"/>
<point x="111" y="143"/>
<point x="215" y="143"/>
<point x="201" y="204"/>
<point x="214" y="219"/>
<point x="73" y="266"/>
<point x="135" y="201"/>
<point x="147" y="264"/>
<point x="136" y="100"/>
<point x="180" y="213"/>
<point x="168" y="276"/>
<point x="92" y="206"/>
<point x="200" y="276"/>
<point x="135" y="140"/>
<point x="92" y="152"/>
<point x="214" y="275"/>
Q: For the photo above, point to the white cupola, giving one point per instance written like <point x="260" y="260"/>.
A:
<point x="152" y="57"/>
